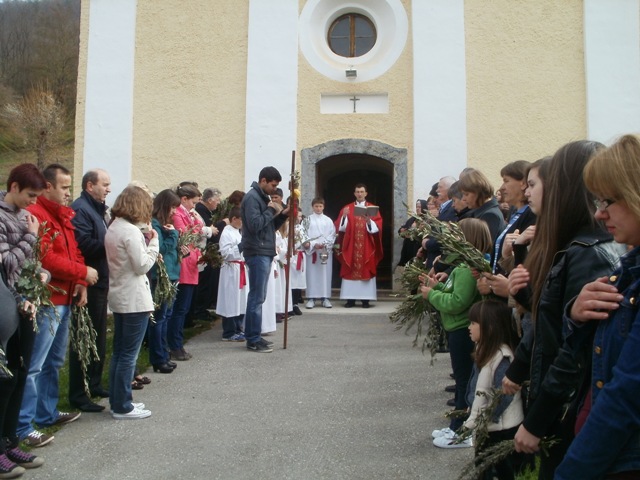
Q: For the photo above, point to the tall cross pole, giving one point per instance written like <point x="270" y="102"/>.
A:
<point x="290" y="242"/>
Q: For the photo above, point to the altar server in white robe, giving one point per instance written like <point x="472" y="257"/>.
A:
<point x="233" y="286"/>
<point x="269" y="305"/>
<point x="297" y="275"/>
<point x="321" y="233"/>
<point x="281" y="283"/>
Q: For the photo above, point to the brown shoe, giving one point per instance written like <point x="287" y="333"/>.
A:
<point x="64" y="417"/>
<point x="179" y="355"/>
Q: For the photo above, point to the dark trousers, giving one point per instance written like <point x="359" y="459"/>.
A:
<point x="18" y="353"/>
<point x="460" y="349"/>
<point x="97" y="307"/>
<point x="231" y="326"/>
<point x="296" y="296"/>
<point x="206" y="294"/>
<point x="176" y="322"/>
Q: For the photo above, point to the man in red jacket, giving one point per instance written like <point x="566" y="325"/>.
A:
<point x="361" y="249"/>
<point x="61" y="257"/>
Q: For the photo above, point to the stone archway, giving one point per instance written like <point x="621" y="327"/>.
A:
<point x="395" y="157"/>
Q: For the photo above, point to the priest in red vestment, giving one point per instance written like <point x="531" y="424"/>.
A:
<point x="360" y="250"/>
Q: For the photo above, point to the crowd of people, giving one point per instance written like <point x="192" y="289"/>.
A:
<point x="141" y="260"/>
<point x="552" y="325"/>
<point x="552" y="328"/>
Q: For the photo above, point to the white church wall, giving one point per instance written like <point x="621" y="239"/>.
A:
<point x="272" y="84"/>
<point x="439" y="98"/>
<point x="612" y="64"/>
<point x="107" y="112"/>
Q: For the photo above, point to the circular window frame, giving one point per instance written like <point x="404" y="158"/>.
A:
<point x="353" y="37"/>
<point x="389" y="19"/>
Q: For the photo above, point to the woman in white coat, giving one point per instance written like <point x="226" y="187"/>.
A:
<point x="129" y="258"/>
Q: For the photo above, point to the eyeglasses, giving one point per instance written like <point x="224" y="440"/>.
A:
<point x="602" y="205"/>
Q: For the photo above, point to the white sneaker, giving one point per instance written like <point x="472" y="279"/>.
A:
<point x="444" y="442"/>
<point x="139" y="405"/>
<point x="326" y="303"/>
<point x="310" y="303"/>
<point x="445" y="432"/>
<point x="132" y="415"/>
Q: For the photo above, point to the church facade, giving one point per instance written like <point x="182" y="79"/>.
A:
<point x="391" y="93"/>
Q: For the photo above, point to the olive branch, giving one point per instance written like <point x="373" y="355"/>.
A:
<point x="166" y="290"/>
<point x="82" y="338"/>
<point x="31" y="286"/>
<point x="485" y="458"/>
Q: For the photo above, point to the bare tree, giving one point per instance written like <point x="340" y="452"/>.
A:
<point x="40" y="119"/>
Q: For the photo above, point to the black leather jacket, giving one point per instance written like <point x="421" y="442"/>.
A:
<point x="555" y="374"/>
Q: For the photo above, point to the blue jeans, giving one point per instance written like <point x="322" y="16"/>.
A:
<point x="128" y="333"/>
<point x="40" y="398"/>
<point x="231" y="326"/>
<point x="175" y="337"/>
<point x="259" y="268"/>
<point x="157" y="334"/>
<point x="460" y="349"/>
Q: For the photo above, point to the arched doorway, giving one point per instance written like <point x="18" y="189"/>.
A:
<point x="335" y="180"/>
<point x="332" y="169"/>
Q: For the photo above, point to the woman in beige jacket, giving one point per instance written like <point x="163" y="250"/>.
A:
<point x="129" y="258"/>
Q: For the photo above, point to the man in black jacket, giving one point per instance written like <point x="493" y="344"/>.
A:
<point x="90" y="224"/>
<point x="260" y="219"/>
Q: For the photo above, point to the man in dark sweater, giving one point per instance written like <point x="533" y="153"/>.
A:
<point x="90" y="224"/>
<point x="260" y="219"/>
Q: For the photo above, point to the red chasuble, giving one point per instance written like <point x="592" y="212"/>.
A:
<point x="360" y="251"/>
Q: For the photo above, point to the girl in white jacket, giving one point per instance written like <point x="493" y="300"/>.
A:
<point x="493" y="332"/>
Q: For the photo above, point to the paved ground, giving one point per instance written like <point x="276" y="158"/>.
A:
<point x="349" y="398"/>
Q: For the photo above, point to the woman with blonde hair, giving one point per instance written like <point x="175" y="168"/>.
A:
<point x="607" y="444"/>
<point x="129" y="258"/>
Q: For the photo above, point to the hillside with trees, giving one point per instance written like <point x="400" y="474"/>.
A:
<point x="39" y="43"/>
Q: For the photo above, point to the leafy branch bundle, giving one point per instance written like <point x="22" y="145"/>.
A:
<point x="222" y="212"/>
<point x="31" y="286"/>
<point x="82" y="338"/>
<point x="455" y="248"/>
<point x="416" y="311"/>
<point x="495" y="454"/>
<point x="166" y="290"/>
<point x="485" y="458"/>
<point x="189" y="237"/>
<point x="211" y="255"/>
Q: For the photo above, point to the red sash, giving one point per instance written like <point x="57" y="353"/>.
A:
<point x="243" y="275"/>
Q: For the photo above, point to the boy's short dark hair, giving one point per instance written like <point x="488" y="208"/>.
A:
<point x="235" y="212"/>
<point x="317" y="200"/>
